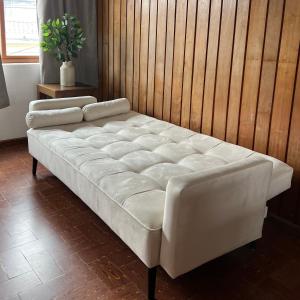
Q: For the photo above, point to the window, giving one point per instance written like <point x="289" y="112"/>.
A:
<point x="19" y="31"/>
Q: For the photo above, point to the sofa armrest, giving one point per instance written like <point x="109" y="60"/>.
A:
<point x="210" y="213"/>
<point x="59" y="103"/>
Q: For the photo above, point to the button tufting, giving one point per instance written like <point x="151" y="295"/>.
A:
<point x="132" y="160"/>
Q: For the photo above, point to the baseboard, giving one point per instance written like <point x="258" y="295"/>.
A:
<point x="13" y="141"/>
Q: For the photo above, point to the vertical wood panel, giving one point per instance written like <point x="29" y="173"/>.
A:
<point x="100" y="41"/>
<point x="144" y="56"/>
<point x="117" y="48"/>
<point x="199" y="64"/>
<point x="179" y="47"/>
<point x="293" y="157"/>
<point x="169" y="60"/>
<point x="285" y="80"/>
<point x="267" y="81"/>
<point x="252" y="71"/>
<point x="227" y="68"/>
<point x="111" y="49"/>
<point x="105" y="56"/>
<point x="188" y="63"/>
<point x="129" y="49"/>
<point x="136" y="56"/>
<point x="211" y="66"/>
<point x="289" y="203"/>
<point x="123" y="47"/>
<point x="237" y="71"/>
<point x="160" y="58"/>
<point x="224" y="68"/>
<point x="151" y="57"/>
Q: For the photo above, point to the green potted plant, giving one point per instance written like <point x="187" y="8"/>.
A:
<point x="63" y="38"/>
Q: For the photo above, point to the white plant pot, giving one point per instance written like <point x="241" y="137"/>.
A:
<point x="67" y="74"/>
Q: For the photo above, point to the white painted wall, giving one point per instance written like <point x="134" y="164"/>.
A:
<point x="21" y="81"/>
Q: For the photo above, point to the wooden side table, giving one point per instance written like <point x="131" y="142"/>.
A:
<point x="54" y="90"/>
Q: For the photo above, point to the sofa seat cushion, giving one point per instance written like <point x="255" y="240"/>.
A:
<point x="132" y="157"/>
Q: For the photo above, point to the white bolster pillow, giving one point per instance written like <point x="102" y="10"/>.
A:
<point x="44" y="118"/>
<point x="105" y="109"/>
<point x="58" y="103"/>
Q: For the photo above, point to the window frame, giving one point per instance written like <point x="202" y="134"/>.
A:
<point x="11" y="58"/>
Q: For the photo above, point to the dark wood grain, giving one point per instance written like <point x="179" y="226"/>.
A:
<point x="144" y="47"/>
<point x="152" y="57"/>
<point x="136" y="56"/>
<point x="130" y="49"/>
<point x="253" y="60"/>
<point x="169" y="60"/>
<point x="123" y="47"/>
<point x="285" y="80"/>
<point x="268" y="73"/>
<point x="111" y="75"/>
<point x="237" y="71"/>
<point x="103" y="86"/>
<point x="117" y="48"/>
<point x="179" y="50"/>
<point x="160" y="58"/>
<point x="224" y="68"/>
<point x="188" y="64"/>
<point x="199" y="64"/>
<point x="211" y="66"/>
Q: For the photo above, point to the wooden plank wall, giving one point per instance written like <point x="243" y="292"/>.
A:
<point x="227" y="68"/>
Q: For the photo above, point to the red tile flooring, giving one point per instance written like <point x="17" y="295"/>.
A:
<point x="53" y="247"/>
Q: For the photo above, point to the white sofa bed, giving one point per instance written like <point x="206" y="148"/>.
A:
<point x="177" y="198"/>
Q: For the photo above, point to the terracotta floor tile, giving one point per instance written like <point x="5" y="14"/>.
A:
<point x="32" y="248"/>
<point x="72" y="262"/>
<point x="289" y="275"/>
<point x="44" y="266"/>
<point x="273" y="289"/>
<point x="41" y="292"/>
<point x="78" y="277"/>
<point x="93" y="290"/>
<point x="13" y="263"/>
<point x="91" y="254"/>
<point x="47" y="291"/>
<point x="125" y="292"/>
<point x="8" y="241"/>
<point x="111" y="274"/>
<point x="12" y="287"/>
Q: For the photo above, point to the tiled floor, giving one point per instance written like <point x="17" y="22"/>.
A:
<point x="53" y="247"/>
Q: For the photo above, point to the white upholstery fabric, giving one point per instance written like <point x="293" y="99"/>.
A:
<point x="212" y="212"/>
<point x="138" y="226"/>
<point x="58" y="103"/>
<point x="44" y="118"/>
<point x="121" y="167"/>
<point x="105" y="109"/>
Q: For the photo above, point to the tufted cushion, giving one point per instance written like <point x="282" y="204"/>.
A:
<point x="132" y="158"/>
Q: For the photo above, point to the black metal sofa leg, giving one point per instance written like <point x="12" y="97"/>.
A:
<point x="151" y="283"/>
<point x="34" y="166"/>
